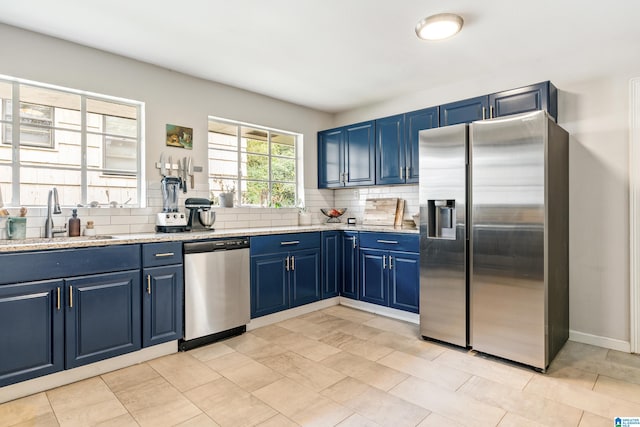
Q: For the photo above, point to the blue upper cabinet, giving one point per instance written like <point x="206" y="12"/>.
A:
<point x="331" y="158"/>
<point x="414" y="122"/>
<point x="346" y="156"/>
<point x="541" y="96"/>
<point x="466" y="111"/>
<point x="360" y="154"/>
<point x="390" y="145"/>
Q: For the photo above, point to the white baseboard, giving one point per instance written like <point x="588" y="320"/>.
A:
<point x="610" y="343"/>
<point x="381" y="310"/>
<point x="69" y="376"/>
<point x="280" y="316"/>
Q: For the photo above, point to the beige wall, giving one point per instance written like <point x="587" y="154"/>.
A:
<point x="170" y="97"/>
<point x="595" y="110"/>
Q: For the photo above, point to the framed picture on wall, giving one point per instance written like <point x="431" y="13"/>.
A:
<point x="180" y="136"/>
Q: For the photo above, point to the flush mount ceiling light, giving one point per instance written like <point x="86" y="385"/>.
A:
<point x="439" y="27"/>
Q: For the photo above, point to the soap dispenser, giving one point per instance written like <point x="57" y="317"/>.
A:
<point x="74" y="224"/>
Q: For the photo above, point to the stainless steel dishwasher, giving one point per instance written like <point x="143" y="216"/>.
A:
<point x="216" y="290"/>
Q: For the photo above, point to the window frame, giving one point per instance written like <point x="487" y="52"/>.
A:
<point x="239" y="180"/>
<point x="15" y="164"/>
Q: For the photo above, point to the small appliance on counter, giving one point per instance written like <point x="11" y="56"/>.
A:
<point x="170" y="220"/>
<point x="201" y="217"/>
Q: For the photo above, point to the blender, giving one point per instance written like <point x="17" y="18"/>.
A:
<point x="170" y="220"/>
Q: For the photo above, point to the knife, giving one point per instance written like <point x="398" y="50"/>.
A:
<point x="184" y="174"/>
<point x="163" y="167"/>
<point x="190" y="171"/>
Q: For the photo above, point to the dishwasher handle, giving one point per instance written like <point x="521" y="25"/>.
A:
<point x="215" y="245"/>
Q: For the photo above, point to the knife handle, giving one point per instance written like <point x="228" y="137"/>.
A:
<point x="192" y="182"/>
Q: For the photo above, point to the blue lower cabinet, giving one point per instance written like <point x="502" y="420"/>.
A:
<point x="162" y="296"/>
<point x="390" y="270"/>
<point x="404" y="278"/>
<point x="285" y="272"/>
<point x="304" y="277"/>
<point x="349" y="273"/>
<point x="32" y="331"/>
<point x="102" y="317"/>
<point x="331" y="263"/>
<point x="374" y="276"/>
<point x="269" y="284"/>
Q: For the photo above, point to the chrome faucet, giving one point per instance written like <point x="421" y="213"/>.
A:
<point x="53" y="207"/>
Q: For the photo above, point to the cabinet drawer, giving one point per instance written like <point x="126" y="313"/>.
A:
<point x="30" y="266"/>
<point x="390" y="241"/>
<point x="166" y="253"/>
<point x="284" y="242"/>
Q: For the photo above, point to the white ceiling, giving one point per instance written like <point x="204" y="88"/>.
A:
<point x="335" y="55"/>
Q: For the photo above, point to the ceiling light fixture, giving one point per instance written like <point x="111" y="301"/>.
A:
<point x="439" y="27"/>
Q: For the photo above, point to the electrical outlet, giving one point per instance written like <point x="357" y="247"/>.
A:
<point x="356" y="194"/>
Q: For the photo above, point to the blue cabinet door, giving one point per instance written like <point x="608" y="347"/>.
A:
<point x="331" y="263"/>
<point x="162" y="290"/>
<point x="102" y="317"/>
<point x="541" y="96"/>
<point x="359" y="154"/>
<point x="373" y="276"/>
<point x="330" y="158"/>
<point x="414" y="122"/>
<point x="31" y="331"/>
<point x="390" y="147"/>
<point x="304" y="277"/>
<point x="269" y="287"/>
<point x="349" y="274"/>
<point x="466" y="111"/>
<point x="404" y="279"/>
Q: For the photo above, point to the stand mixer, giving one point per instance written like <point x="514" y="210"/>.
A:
<point x="170" y="220"/>
<point x="201" y="217"/>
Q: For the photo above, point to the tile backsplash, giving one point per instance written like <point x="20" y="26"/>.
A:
<point x="142" y="220"/>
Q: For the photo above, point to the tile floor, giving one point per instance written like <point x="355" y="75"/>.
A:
<point x="342" y="367"/>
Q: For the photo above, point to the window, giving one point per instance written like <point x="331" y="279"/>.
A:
<point x="87" y="145"/>
<point x="261" y="162"/>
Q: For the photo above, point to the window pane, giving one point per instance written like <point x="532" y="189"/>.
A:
<point x="66" y="153"/>
<point x="220" y="185"/>
<point x="121" y="126"/>
<point x="105" y="189"/>
<point x="283" y="195"/>
<point x="283" y="145"/>
<point x="49" y="97"/>
<point x="35" y="184"/>
<point x="256" y="167"/>
<point x="5" y="148"/>
<point x="255" y="193"/>
<point x="120" y="154"/>
<point x="254" y="140"/>
<point x="110" y="108"/>
<point x="283" y="169"/>
<point x="5" y="185"/>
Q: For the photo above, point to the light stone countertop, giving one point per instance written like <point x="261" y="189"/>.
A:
<point x="37" y="244"/>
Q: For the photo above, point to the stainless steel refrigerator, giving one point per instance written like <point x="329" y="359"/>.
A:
<point x="494" y="255"/>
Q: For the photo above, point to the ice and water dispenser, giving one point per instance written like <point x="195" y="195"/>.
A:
<point x="441" y="219"/>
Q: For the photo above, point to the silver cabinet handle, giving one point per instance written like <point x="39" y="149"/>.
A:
<point x="286" y="263"/>
<point x="164" y="254"/>
<point x="70" y="296"/>
<point x="484" y="113"/>
<point x="292" y="242"/>
<point x="354" y="242"/>
<point x="391" y="242"/>
<point x="390" y="262"/>
<point x="293" y="263"/>
<point x="384" y="262"/>
<point x="58" y="303"/>
<point x="491" y="112"/>
<point x="149" y="284"/>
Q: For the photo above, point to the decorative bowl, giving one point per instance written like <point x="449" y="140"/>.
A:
<point x="333" y="213"/>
